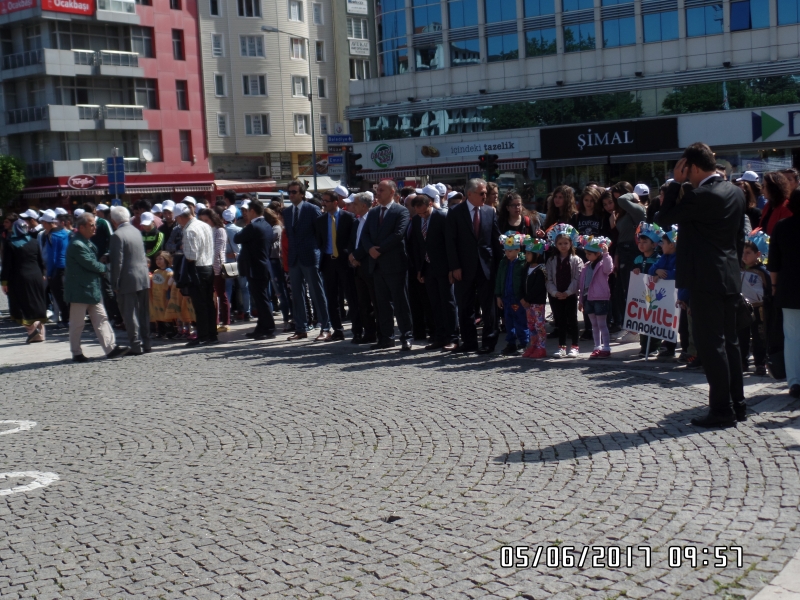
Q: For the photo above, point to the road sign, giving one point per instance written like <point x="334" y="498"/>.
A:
<point x="335" y="159"/>
<point x="340" y="139"/>
<point x="335" y="170"/>
<point x="115" y="169"/>
<point x="338" y="149"/>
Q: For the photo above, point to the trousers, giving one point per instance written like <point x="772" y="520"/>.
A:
<point x="298" y="275"/>
<point x="516" y="319"/>
<point x="102" y="328"/>
<point x="135" y="309"/>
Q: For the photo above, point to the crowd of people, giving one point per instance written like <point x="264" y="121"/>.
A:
<point x="440" y="263"/>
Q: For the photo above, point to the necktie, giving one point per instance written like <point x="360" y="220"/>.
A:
<point x="383" y="212"/>
<point x="425" y="235"/>
<point x="294" y="218"/>
<point x="333" y="237"/>
<point x="476" y="222"/>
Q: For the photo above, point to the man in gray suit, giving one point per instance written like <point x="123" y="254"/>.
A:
<point x="130" y="279"/>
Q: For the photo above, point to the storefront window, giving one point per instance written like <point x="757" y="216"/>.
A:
<point x="462" y="13"/>
<point x="660" y="27"/>
<point x="502" y="47"/>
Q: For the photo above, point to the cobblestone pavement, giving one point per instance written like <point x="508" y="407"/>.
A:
<point x="271" y="470"/>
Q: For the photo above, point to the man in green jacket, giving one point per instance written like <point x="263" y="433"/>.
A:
<point x="82" y="290"/>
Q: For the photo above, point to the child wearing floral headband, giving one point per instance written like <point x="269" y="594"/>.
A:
<point x="647" y="239"/>
<point x="508" y="289"/>
<point x="664" y="268"/>
<point x="563" y="273"/>
<point x="535" y="297"/>
<point x="594" y="293"/>
<point x="756" y="286"/>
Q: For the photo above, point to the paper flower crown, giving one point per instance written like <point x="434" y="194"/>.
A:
<point x="592" y="243"/>
<point x="562" y="229"/>
<point x="761" y="240"/>
<point x="672" y="234"/>
<point x="652" y="232"/>
<point x="535" y="245"/>
<point x="511" y="240"/>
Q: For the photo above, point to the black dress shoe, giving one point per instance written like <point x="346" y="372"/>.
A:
<point x="135" y="353"/>
<point x="485" y="349"/>
<point x="405" y="346"/>
<point x="368" y="340"/>
<point x="711" y="421"/>
<point x="193" y="343"/>
<point x="211" y="342"/>
<point x="382" y="345"/>
<point x="464" y="348"/>
<point x="270" y="335"/>
<point x="118" y="351"/>
<point x="337" y="336"/>
<point x="80" y="358"/>
<point x="357" y="339"/>
<point x="147" y="350"/>
<point x="794" y="391"/>
<point x="510" y="350"/>
<point x="250" y="334"/>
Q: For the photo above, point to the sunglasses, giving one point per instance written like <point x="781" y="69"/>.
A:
<point x="293" y="192"/>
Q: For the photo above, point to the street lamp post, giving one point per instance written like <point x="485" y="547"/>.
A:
<point x="271" y="29"/>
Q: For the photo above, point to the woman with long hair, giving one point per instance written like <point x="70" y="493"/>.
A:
<point x="278" y="279"/>
<point x="752" y="190"/>
<point x="512" y="216"/>
<point x="561" y="208"/>
<point x="588" y="219"/>
<point x="492" y="195"/>
<point x="212" y="219"/>
<point x="776" y="191"/>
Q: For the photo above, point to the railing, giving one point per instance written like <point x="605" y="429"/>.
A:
<point x="26" y="115"/>
<point x="115" y="58"/>
<point x="135" y="165"/>
<point x="85" y="57"/>
<point x="23" y="59"/>
<point x="39" y="169"/>
<point x="123" y="6"/>
<point x="93" y="166"/>
<point x="89" y="112"/>
<point x="124" y="112"/>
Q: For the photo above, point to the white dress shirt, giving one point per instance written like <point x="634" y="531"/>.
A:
<point x="361" y="220"/>
<point x="198" y="243"/>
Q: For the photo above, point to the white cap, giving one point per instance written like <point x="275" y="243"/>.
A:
<point x="181" y="209"/>
<point x="342" y="191"/>
<point x="102" y="207"/>
<point x="349" y="199"/>
<point x="668" y="181"/>
<point x="441" y="188"/>
<point x="30" y="214"/>
<point x="48" y="216"/>
<point x="641" y="190"/>
<point x="229" y="215"/>
<point x="748" y="176"/>
<point x="146" y="218"/>
<point x="167" y="205"/>
<point x="454" y="193"/>
<point x="418" y="190"/>
<point x="431" y="192"/>
<point x="245" y="203"/>
<point x="200" y="206"/>
<point x="62" y="211"/>
<point x="309" y="195"/>
<point x="78" y="212"/>
<point x="157" y="208"/>
<point x="189" y="200"/>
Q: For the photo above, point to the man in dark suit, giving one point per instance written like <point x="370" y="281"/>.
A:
<point x="384" y="239"/>
<point x="304" y="256"/>
<point x="254" y="263"/>
<point x="710" y="220"/>
<point x="359" y="262"/>
<point x="429" y="249"/>
<point x="473" y="252"/>
<point x="333" y="228"/>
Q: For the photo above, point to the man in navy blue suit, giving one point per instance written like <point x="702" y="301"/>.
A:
<point x="304" y="256"/>
<point x="384" y="239"/>
<point x="256" y="244"/>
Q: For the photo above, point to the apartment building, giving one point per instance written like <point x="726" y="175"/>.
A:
<point x="80" y="79"/>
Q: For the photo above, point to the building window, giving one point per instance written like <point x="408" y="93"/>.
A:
<point x="660" y="27"/>
<point x="177" y="45"/>
<point x="145" y="93"/>
<point x="182" y="94"/>
<point x="357" y="29"/>
<point x="142" y="41"/>
<point x="462" y="13"/>
<point x="465" y="52"/>
<point x="323" y="124"/>
<point x="322" y="87"/>
<point x="213" y="7"/>
<point x="316" y="9"/>
<point x="175" y="4"/>
<point x="219" y="85"/>
<point x="186" y="145"/>
<point x="33" y="38"/>
<point x="320" y="48"/>
<point x="788" y="12"/>
<point x="301" y="124"/>
<point x="297" y="47"/>
<point x="576" y="5"/>
<point x="540" y="42"/>
<point x="502" y="47"/>
<point x="500" y="10"/>
<point x="390" y="23"/>
<point x="619" y="32"/>
<point x="249" y="8"/>
<point x="150" y="140"/>
<point x="295" y="10"/>
<point x="579" y="37"/>
<point x="537" y="8"/>
<point x="429" y="58"/>
<point x="254" y="85"/>
<point x="614" y="2"/>
<point x="252" y="45"/>
<point x="427" y="16"/>
<point x="256" y="124"/>
<point x="704" y="20"/>
<point x="217" y="45"/>
<point x="359" y="68"/>
<point x="299" y="87"/>
<point x="750" y="14"/>
<point x="222" y="124"/>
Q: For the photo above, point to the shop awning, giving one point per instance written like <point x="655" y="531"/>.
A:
<point x="194" y="188"/>
<point x="440" y="170"/>
<point x="232" y="184"/>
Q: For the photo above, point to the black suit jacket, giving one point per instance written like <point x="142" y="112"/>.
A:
<point x="256" y="240"/>
<point x="464" y="250"/>
<point x="434" y="244"/>
<point x="389" y="237"/>
<point x="710" y="222"/>
<point x="343" y="231"/>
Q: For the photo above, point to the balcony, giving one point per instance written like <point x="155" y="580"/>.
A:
<point x="118" y="64"/>
<point x="124" y="112"/>
<point x="85" y="57"/>
<point x="118" y="11"/>
<point x="32" y="114"/>
<point x="97" y="166"/>
<point x="23" y="59"/>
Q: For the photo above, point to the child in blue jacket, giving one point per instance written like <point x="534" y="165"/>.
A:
<point x="664" y="268"/>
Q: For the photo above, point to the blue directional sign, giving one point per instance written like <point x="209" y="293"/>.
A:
<point x="115" y="169"/>
<point x="340" y="139"/>
<point x="334" y="159"/>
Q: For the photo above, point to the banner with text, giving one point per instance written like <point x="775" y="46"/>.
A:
<point x="77" y="7"/>
<point x="12" y="6"/>
<point x="650" y="309"/>
<point x="471" y="149"/>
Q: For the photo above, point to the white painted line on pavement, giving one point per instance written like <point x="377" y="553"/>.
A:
<point x="40" y="479"/>
<point x="21" y="426"/>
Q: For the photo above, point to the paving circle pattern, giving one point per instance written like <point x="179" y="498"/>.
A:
<point x="317" y="472"/>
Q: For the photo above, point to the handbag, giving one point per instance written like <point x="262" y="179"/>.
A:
<point x="230" y="270"/>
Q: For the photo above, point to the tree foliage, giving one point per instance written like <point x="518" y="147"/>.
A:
<point x="747" y="93"/>
<point x="12" y="176"/>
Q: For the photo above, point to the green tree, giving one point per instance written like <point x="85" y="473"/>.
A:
<point x="743" y="93"/>
<point x="12" y="174"/>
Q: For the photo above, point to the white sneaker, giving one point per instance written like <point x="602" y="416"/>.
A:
<point x="573" y="352"/>
<point x="560" y="353"/>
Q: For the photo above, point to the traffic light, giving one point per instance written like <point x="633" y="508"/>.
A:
<point x="488" y="164"/>
<point x="352" y="168"/>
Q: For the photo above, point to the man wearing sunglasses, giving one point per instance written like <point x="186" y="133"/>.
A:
<point x="304" y="257"/>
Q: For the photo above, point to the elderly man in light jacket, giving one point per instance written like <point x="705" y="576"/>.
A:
<point x="130" y="279"/>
